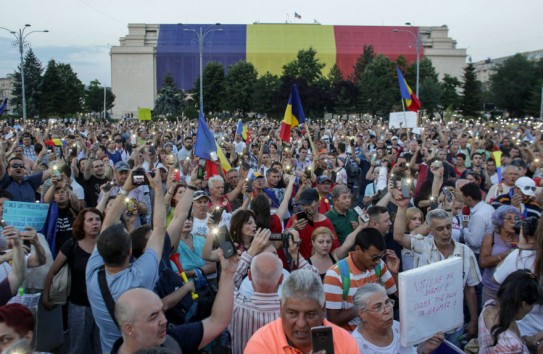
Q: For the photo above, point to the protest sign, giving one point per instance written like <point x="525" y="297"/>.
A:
<point x="402" y="120"/>
<point x="431" y="300"/>
<point x="21" y="214"/>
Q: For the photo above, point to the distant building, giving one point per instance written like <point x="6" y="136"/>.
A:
<point x="485" y="68"/>
<point x="151" y="51"/>
<point x="6" y="87"/>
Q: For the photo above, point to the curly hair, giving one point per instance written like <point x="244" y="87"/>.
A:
<point x="499" y="215"/>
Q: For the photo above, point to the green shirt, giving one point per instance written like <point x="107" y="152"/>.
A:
<point x="342" y="223"/>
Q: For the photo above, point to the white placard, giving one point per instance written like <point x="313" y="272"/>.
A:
<point x="402" y="120"/>
<point x="431" y="300"/>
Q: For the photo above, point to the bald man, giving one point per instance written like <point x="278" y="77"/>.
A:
<point x="140" y="315"/>
<point x="251" y="313"/>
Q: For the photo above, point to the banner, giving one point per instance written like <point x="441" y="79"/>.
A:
<point x="399" y="120"/>
<point x="144" y="113"/>
<point x="21" y="214"/>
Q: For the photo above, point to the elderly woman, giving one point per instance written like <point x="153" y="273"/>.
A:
<point x="498" y="330"/>
<point x="379" y="333"/>
<point x="497" y="246"/>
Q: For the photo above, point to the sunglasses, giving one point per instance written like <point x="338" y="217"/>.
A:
<point x="17" y="165"/>
<point x="377" y="258"/>
<point x="528" y="188"/>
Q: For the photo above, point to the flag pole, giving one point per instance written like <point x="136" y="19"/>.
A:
<point x="309" y="135"/>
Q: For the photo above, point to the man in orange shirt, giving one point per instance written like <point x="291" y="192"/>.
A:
<point x="302" y="308"/>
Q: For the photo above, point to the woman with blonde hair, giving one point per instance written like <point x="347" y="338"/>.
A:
<point x="413" y="220"/>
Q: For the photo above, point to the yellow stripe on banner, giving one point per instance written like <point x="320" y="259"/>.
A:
<point x="144" y="113"/>
<point x="222" y="158"/>
<point x="270" y="46"/>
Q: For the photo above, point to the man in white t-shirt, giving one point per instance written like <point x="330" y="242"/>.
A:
<point x="200" y="204"/>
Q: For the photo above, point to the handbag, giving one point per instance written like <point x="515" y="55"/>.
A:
<point x="206" y="297"/>
<point x="62" y="281"/>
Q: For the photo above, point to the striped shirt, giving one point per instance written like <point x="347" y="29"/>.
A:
<point x="333" y="287"/>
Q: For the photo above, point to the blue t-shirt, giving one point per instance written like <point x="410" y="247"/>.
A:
<point x="143" y="273"/>
<point x="191" y="259"/>
<point x="24" y="191"/>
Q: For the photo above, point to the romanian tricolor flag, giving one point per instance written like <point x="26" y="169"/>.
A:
<point x="294" y="115"/>
<point x="56" y="142"/>
<point x="242" y="130"/>
<point x="411" y="100"/>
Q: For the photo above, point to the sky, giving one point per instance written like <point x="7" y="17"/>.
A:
<point x="81" y="32"/>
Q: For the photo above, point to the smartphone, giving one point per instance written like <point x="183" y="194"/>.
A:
<point x="131" y="206"/>
<point x="322" y="339"/>
<point x="108" y="186"/>
<point x="201" y="168"/>
<point x="170" y="159"/>
<point x="177" y="175"/>
<point x="225" y="242"/>
<point x="448" y="194"/>
<point x="329" y="165"/>
<point x="249" y="185"/>
<point x="406" y="187"/>
<point x="139" y="178"/>
<point x="373" y="158"/>
<point x="301" y="215"/>
<point x="308" y="172"/>
<point x="3" y="223"/>
<point x="364" y="216"/>
<point x="216" y="215"/>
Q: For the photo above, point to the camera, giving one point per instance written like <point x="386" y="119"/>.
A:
<point x="528" y="226"/>
<point x="139" y="178"/>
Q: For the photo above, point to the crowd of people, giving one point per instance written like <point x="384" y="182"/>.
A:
<point x="261" y="247"/>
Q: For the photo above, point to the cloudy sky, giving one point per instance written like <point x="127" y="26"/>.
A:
<point x="81" y="31"/>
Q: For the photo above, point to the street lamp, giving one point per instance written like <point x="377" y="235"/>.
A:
<point x="418" y="42"/>
<point x="20" y="41"/>
<point x="201" y="34"/>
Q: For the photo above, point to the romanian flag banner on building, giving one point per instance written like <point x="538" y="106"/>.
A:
<point x="411" y="100"/>
<point x="294" y="115"/>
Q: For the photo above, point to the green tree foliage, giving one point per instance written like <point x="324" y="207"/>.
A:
<point x="450" y="99"/>
<point x="62" y="92"/>
<point x="514" y="84"/>
<point x="213" y="87"/>
<point x="472" y="93"/>
<point x="265" y="93"/>
<point x="170" y="101"/>
<point x="378" y="87"/>
<point x="343" y="93"/>
<point x="305" y="67"/>
<point x="362" y="62"/>
<point x="94" y="98"/>
<point x="430" y="94"/>
<point x="239" y="87"/>
<point x="33" y="78"/>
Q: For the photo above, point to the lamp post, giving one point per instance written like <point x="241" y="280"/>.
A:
<point x="418" y="41"/>
<point x="201" y="34"/>
<point x="20" y="41"/>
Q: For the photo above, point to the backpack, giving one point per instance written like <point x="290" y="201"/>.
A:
<point x="345" y="274"/>
<point x="351" y="167"/>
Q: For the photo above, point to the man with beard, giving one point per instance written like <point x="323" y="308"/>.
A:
<point x="95" y="177"/>
<point x="186" y="150"/>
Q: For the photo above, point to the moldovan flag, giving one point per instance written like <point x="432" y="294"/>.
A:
<point x="294" y="115"/>
<point x="411" y="100"/>
<point x="144" y="113"/>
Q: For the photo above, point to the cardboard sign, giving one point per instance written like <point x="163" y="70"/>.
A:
<point x="402" y="120"/>
<point x="431" y="300"/>
<point x="21" y="214"/>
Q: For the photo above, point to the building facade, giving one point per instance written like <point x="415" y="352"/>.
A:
<point x="6" y="88"/>
<point x="149" y="52"/>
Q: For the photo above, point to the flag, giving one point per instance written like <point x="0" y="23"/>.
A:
<point x="56" y="142"/>
<point x="205" y="142"/>
<point x="497" y="155"/>
<point x="297" y="15"/>
<point x="4" y="106"/>
<point x="294" y="114"/>
<point x="144" y="113"/>
<point x="222" y="158"/>
<point x="411" y="100"/>
<point x="242" y="130"/>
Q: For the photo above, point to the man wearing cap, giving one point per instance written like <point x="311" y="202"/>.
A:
<point x="325" y="198"/>
<point x="200" y="206"/>
<point x="309" y="201"/>
<point x="522" y="195"/>
<point x="258" y="183"/>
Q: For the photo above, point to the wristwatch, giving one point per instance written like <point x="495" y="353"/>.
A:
<point x="123" y="191"/>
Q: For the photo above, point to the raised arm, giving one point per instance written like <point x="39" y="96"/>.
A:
<point x="283" y="207"/>
<point x="156" y="240"/>
<point x="399" y="224"/>
<point x="182" y="210"/>
<point x="18" y="270"/>
<point x="342" y="251"/>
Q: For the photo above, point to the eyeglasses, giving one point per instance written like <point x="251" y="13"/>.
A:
<point x="509" y="218"/>
<point x="377" y="258"/>
<point x="380" y="307"/>
<point x="17" y="165"/>
<point x="528" y="188"/>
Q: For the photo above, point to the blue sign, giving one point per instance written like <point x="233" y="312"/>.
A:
<point x="21" y="214"/>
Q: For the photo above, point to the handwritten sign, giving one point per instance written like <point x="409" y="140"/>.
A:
<point x="431" y="296"/>
<point x="402" y="120"/>
<point x="20" y="214"/>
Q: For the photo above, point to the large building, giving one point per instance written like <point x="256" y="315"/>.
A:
<point x="6" y="88"/>
<point x="150" y="52"/>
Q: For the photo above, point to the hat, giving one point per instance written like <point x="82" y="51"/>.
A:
<point x="309" y="196"/>
<point x="395" y="137"/>
<point x="519" y="163"/>
<point x="168" y="143"/>
<point x="122" y="166"/>
<point x="372" y="133"/>
<point x="323" y="178"/>
<point x="526" y="186"/>
<point x="258" y="174"/>
<point x="200" y="195"/>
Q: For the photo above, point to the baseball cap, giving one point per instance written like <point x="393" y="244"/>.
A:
<point x="257" y="174"/>
<point x="323" y="178"/>
<point x="309" y="196"/>
<point x="526" y="186"/>
<point x="395" y="137"/>
<point x="372" y="133"/>
<point x="122" y="166"/>
<point x="199" y="195"/>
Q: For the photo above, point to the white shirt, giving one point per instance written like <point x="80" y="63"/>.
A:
<point x="394" y="347"/>
<point x="199" y="226"/>
<point x="480" y="224"/>
<point x="240" y="146"/>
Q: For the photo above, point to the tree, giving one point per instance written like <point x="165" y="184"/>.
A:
<point x="213" y="87"/>
<point x="450" y="99"/>
<point x="33" y="78"/>
<point x="62" y="92"/>
<point x="170" y="100"/>
<point x="362" y="63"/>
<point x="513" y="84"/>
<point x="342" y="92"/>
<point x="378" y="86"/>
<point x="94" y="97"/>
<point x="430" y="95"/>
<point x="239" y="87"/>
<point x="72" y="90"/>
<point x="305" y="67"/>
<point x="265" y="92"/>
<point x="472" y="93"/>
